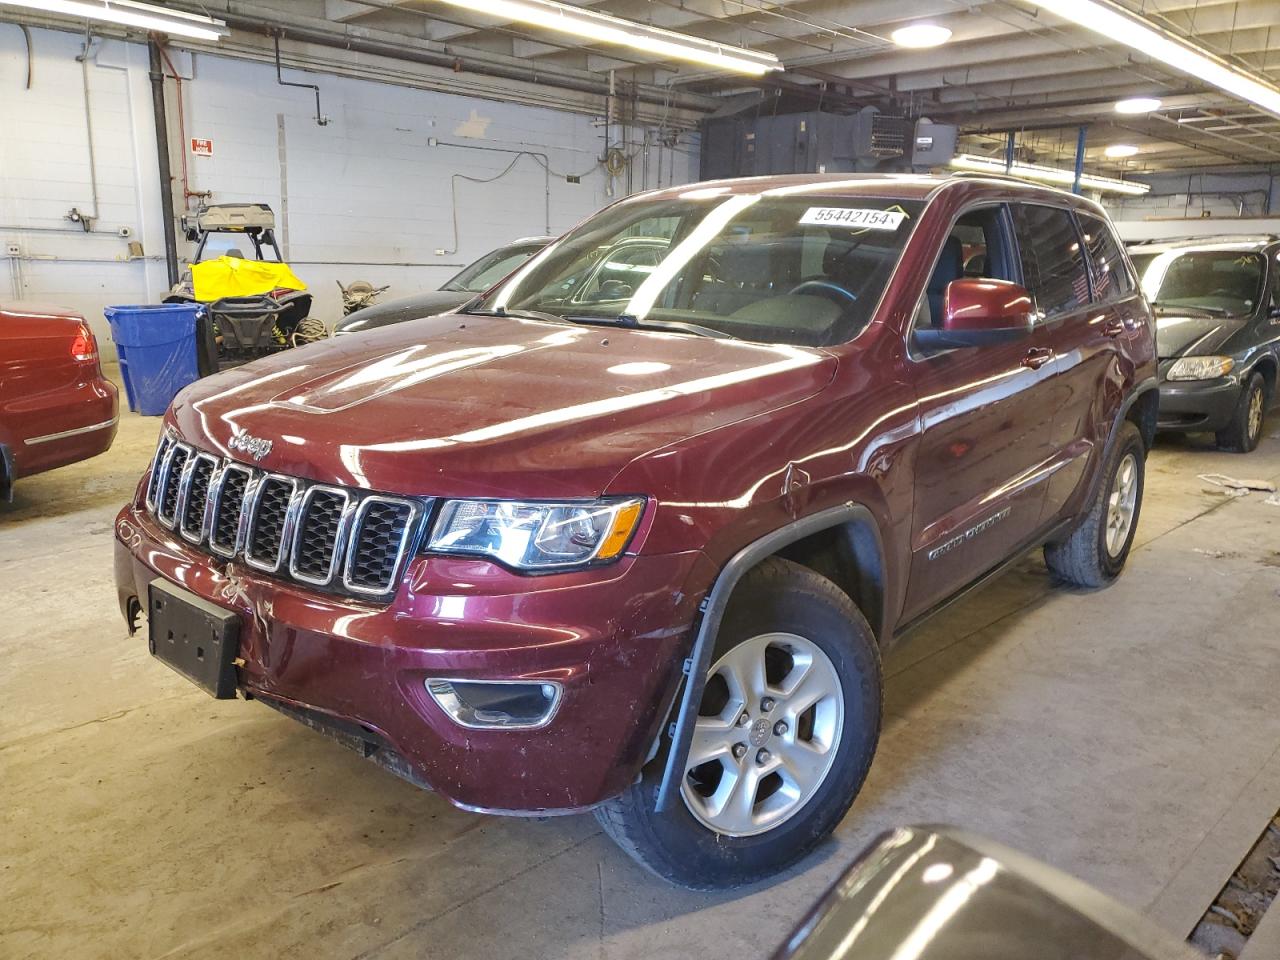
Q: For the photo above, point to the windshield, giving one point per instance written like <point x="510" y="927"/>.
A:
<point x="490" y="268"/>
<point x="766" y="267"/>
<point x="1219" y="281"/>
<point x="215" y="245"/>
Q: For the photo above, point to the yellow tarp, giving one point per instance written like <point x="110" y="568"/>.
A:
<point x="234" y="277"/>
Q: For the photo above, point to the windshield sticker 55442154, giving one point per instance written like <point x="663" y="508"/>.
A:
<point x="855" y="218"/>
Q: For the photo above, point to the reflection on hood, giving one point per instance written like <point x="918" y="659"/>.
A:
<point x="1191" y="335"/>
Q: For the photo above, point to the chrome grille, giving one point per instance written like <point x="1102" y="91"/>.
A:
<point x="324" y="536"/>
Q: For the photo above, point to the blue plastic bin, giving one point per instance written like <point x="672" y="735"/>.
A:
<point x="157" y="348"/>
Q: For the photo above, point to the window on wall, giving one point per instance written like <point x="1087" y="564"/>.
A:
<point x="1053" y="266"/>
<point x="1111" y="280"/>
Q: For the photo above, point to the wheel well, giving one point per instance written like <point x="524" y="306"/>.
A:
<point x="849" y="556"/>
<point x="1267" y="367"/>
<point x="1143" y="413"/>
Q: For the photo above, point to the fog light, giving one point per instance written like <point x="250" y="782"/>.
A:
<point x="501" y="704"/>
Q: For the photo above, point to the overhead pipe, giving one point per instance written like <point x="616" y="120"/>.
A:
<point x="450" y="61"/>
<point x="162" y="158"/>
<point x="321" y="119"/>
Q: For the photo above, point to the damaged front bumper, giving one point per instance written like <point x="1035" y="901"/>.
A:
<point x="609" y="641"/>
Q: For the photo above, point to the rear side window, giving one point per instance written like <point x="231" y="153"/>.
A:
<point x="1111" y="280"/>
<point x="1052" y="262"/>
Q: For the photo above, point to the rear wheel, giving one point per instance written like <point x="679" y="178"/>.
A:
<point x="784" y="737"/>
<point x="1245" y="429"/>
<point x="1096" y="550"/>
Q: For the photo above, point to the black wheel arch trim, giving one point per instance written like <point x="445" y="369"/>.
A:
<point x="7" y="477"/>
<point x="713" y="608"/>
<point x="1141" y="389"/>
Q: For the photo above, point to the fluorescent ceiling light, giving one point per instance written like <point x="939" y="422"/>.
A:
<point x="1055" y="175"/>
<point x="920" y="35"/>
<point x="602" y="28"/>
<point x="1138" y="105"/>
<point x="1121" y="150"/>
<point x="1103" y="17"/>
<point x="144" y="16"/>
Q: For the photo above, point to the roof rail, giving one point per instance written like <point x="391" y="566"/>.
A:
<point x="982" y="175"/>
<point x="1207" y="238"/>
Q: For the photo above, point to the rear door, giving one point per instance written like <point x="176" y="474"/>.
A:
<point x="986" y="423"/>
<point x="1089" y="303"/>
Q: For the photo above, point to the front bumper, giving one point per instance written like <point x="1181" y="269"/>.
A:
<point x="1197" y="405"/>
<point x="614" y="637"/>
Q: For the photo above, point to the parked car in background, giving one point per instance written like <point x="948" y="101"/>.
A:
<point x="453" y="293"/>
<point x="56" y="407"/>
<point x="937" y="893"/>
<point x="1217" y="306"/>
<point x="636" y="546"/>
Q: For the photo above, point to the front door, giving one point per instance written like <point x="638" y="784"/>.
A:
<point x="986" y="426"/>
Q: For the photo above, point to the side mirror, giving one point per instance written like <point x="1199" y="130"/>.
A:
<point x="978" y="311"/>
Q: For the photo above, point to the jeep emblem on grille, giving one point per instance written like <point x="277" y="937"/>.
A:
<point x="255" y="447"/>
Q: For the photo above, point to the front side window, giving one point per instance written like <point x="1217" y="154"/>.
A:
<point x="1223" y="281"/>
<point x="1111" y="279"/>
<point x="1053" y="266"/>
<point x="773" y="267"/>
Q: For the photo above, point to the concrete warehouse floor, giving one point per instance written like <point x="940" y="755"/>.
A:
<point x="1129" y="736"/>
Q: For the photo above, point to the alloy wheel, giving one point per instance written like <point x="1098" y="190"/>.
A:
<point x="1254" y="423"/>
<point x="1121" y="504"/>
<point x="766" y="735"/>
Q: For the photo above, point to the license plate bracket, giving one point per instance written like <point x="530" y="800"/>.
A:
<point x="198" y="639"/>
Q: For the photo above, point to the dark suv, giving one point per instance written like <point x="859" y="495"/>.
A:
<point x="641" y="551"/>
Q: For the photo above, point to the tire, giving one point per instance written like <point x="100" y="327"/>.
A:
<point x="1244" y="431"/>
<point x="778" y="599"/>
<point x="1089" y="556"/>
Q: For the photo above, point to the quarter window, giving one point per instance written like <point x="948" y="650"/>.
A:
<point x="1111" y="279"/>
<point x="1053" y="266"/>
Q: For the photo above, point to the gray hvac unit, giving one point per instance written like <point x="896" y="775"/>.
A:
<point x="934" y="144"/>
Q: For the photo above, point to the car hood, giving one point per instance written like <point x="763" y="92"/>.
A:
<point x="401" y="309"/>
<point x="463" y="405"/>
<point x="1191" y="335"/>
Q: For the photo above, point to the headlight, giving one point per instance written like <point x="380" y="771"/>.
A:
<point x="1200" y="368"/>
<point x="537" y="536"/>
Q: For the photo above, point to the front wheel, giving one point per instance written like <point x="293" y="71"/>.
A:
<point x="1094" y="553"/>
<point x="1245" y="429"/>
<point x="784" y="738"/>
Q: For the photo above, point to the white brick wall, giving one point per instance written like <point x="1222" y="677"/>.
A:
<point x="364" y="192"/>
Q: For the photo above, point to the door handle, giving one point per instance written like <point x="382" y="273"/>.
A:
<point x="1113" y="328"/>
<point x="1037" y="357"/>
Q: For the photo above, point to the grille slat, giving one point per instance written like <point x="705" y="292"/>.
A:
<point x="193" y="508"/>
<point x="167" y="507"/>
<point x="381" y="528"/>
<point x="224" y="530"/>
<point x="322" y="518"/>
<point x="327" y="537"/>
<point x="267" y="522"/>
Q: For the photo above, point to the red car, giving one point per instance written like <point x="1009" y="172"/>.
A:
<point x="639" y="548"/>
<point x="56" y="407"/>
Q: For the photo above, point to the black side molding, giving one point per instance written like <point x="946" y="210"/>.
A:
<point x="713" y="608"/>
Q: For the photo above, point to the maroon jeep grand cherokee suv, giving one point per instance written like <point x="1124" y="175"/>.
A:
<point x="632" y="533"/>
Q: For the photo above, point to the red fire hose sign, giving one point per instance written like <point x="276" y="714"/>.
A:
<point x="201" y="148"/>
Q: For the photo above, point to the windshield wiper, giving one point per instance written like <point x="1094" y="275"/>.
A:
<point x="1172" y="307"/>
<point x="632" y="322"/>
<point x="516" y="315"/>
